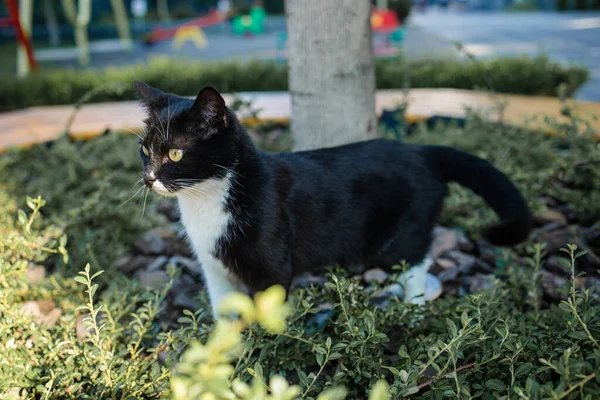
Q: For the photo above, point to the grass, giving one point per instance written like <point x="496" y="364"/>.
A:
<point x="501" y="343"/>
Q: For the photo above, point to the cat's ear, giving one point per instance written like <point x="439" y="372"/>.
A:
<point x="149" y="96"/>
<point x="210" y="106"/>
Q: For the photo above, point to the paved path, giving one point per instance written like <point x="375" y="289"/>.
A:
<point x="23" y="128"/>
<point x="565" y="37"/>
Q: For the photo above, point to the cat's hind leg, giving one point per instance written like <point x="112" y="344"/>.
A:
<point x="414" y="282"/>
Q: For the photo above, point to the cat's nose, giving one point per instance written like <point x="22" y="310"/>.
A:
<point x="149" y="179"/>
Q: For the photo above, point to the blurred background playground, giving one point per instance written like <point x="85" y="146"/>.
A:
<point x="118" y="32"/>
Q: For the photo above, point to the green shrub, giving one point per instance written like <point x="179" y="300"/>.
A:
<point x="522" y="75"/>
<point x="499" y="343"/>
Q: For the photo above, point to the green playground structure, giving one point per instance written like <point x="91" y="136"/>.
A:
<point x="252" y="23"/>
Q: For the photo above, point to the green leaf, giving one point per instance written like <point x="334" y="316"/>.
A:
<point x="320" y="350"/>
<point x="495" y="384"/>
<point x="80" y="279"/>
<point x="579" y="335"/>
<point x="96" y="274"/>
<point x="22" y="217"/>
<point x="452" y="327"/>
<point x="30" y="203"/>
<point x="464" y="319"/>
<point x="523" y="369"/>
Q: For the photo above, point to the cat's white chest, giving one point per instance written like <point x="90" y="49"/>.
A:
<point x="205" y="218"/>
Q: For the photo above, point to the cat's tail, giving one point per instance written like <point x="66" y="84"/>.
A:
<point x="493" y="186"/>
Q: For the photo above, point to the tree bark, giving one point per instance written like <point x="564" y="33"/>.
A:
<point x="331" y="72"/>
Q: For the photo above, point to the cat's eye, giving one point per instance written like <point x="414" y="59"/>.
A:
<point x="175" y="154"/>
<point x="145" y="151"/>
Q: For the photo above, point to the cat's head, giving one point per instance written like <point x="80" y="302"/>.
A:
<point x="185" y="141"/>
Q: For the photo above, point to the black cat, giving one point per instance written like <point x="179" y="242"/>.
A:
<point x="256" y="219"/>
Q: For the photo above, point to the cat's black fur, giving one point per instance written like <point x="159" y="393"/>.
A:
<point x="371" y="203"/>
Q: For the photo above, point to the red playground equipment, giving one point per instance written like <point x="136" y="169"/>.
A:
<point x="22" y="37"/>
<point x="159" y="34"/>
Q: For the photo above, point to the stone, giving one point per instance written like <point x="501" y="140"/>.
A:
<point x="481" y="282"/>
<point x="464" y="244"/>
<point x="467" y="263"/>
<point x="448" y="275"/>
<point x="151" y="243"/>
<point x="443" y="240"/>
<point x="594" y="283"/>
<point x="445" y="263"/>
<point x="307" y="280"/>
<point x="130" y="264"/>
<point x="375" y="274"/>
<point x="152" y="279"/>
<point x="550" y="216"/>
<point x="381" y="298"/>
<point x="182" y="300"/>
<point x="186" y="283"/>
<point x="189" y="265"/>
<point x="551" y="282"/>
<point x="157" y="263"/>
<point x="35" y="273"/>
<point x="553" y="265"/>
<point x="44" y="312"/>
<point x="170" y="210"/>
<point x="557" y="236"/>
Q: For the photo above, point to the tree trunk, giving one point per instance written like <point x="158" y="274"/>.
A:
<point x="331" y="72"/>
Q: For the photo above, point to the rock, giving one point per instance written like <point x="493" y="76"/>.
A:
<point x="381" y="298"/>
<point x="448" y="275"/>
<point x="481" y="282"/>
<point x="468" y="264"/>
<point x="443" y="240"/>
<point x="551" y="282"/>
<point x="445" y="263"/>
<point x="550" y="216"/>
<point x="594" y="283"/>
<point x="553" y="265"/>
<point x="375" y="274"/>
<point x="189" y="265"/>
<point x="557" y="236"/>
<point x="35" y="273"/>
<point x="130" y="264"/>
<point x="157" y="264"/>
<point x="306" y="280"/>
<point x="487" y="253"/>
<point x="464" y="244"/>
<point x="320" y="318"/>
<point x="81" y="328"/>
<point x="152" y="279"/>
<point x="183" y="301"/>
<point x="45" y="312"/>
<point x="186" y="283"/>
<point x="151" y="243"/>
<point x="170" y="210"/>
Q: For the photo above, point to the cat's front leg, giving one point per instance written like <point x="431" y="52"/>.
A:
<point x="220" y="282"/>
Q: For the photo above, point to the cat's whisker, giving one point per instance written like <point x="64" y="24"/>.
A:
<point x="141" y="136"/>
<point x="144" y="206"/>
<point x="129" y="199"/>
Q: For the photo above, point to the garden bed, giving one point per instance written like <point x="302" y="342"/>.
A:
<point x="505" y="325"/>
